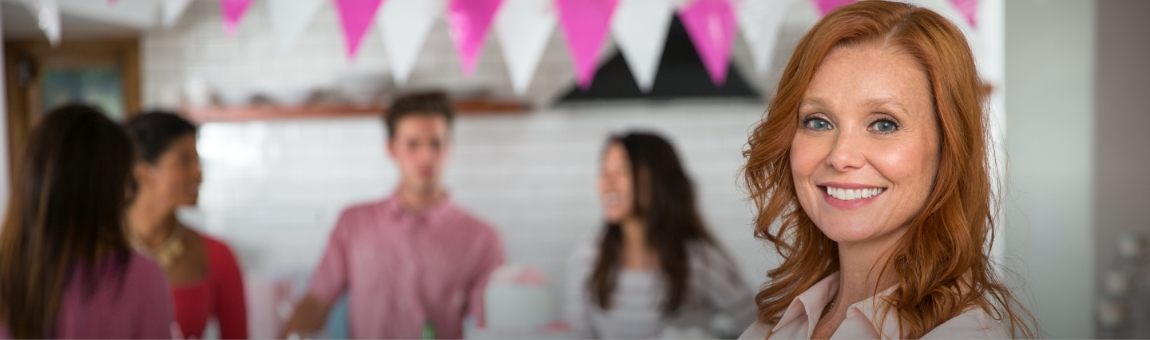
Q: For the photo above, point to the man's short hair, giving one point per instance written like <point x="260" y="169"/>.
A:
<point x="433" y="103"/>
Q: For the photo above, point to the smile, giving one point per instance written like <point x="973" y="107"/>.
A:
<point x="844" y="194"/>
<point x="850" y="196"/>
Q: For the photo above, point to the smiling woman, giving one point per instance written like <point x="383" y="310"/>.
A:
<point x="654" y="269"/>
<point x="866" y="152"/>
<point x="873" y="158"/>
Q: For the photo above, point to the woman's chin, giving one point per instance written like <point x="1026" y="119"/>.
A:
<point x="613" y="218"/>
<point x="858" y="233"/>
<point x="847" y="232"/>
<point x="190" y="202"/>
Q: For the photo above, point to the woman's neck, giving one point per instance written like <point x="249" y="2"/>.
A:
<point x="634" y="232"/>
<point x="637" y="252"/>
<point x="861" y="270"/>
<point x="151" y="223"/>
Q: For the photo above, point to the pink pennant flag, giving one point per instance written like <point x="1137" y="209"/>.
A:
<point x="969" y="10"/>
<point x="711" y="26"/>
<point x="827" y="6"/>
<point x="233" y="12"/>
<point x="470" y="20"/>
<point x="355" y="16"/>
<point x="585" y="25"/>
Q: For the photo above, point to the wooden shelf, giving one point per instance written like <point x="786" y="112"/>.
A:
<point x="271" y="112"/>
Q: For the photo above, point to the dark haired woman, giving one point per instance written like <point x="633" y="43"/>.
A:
<point x="654" y="266"/>
<point x="66" y="270"/>
<point x="205" y="279"/>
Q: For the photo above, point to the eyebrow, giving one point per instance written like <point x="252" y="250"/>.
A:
<point x="876" y="102"/>
<point x="816" y="101"/>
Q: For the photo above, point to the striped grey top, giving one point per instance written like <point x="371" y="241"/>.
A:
<point x="714" y="289"/>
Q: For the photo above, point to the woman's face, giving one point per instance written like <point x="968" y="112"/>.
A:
<point x="866" y="151"/>
<point x="176" y="176"/>
<point x="616" y="185"/>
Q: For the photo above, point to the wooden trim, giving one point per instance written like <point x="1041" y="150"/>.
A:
<point x="17" y="108"/>
<point x="253" y="113"/>
<point x="24" y="99"/>
<point x="130" y="75"/>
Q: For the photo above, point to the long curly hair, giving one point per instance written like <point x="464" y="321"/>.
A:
<point x="942" y="262"/>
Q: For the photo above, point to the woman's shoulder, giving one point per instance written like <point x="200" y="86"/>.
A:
<point x="221" y="258"/>
<point x="215" y="247"/>
<point x="975" y="323"/>
<point x="705" y="254"/>
<point x="142" y="272"/>
<point x="114" y="275"/>
<point x="757" y="331"/>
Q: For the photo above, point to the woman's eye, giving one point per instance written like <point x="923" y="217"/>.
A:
<point x="884" y="126"/>
<point x="817" y="124"/>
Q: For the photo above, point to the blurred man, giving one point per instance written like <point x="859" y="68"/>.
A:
<point x="413" y="262"/>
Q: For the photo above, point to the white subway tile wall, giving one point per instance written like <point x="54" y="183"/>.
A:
<point x="274" y="189"/>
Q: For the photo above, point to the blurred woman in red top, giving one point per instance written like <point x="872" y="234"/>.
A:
<point x="205" y="278"/>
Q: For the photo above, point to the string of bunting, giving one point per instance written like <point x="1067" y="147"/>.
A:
<point x="523" y="27"/>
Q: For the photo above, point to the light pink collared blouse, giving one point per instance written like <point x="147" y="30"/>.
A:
<point x="405" y="270"/>
<point x="864" y="318"/>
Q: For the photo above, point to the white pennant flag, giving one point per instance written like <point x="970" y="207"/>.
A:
<point x="523" y="28"/>
<point x="172" y="10"/>
<point x="47" y="13"/>
<point x="760" y="21"/>
<point x="404" y="25"/>
<point x="290" y="18"/>
<point x="640" y="30"/>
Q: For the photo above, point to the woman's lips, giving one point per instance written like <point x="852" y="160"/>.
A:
<point x="850" y="196"/>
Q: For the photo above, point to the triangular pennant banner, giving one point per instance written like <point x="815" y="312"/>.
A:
<point x="585" y="26"/>
<point x="469" y="21"/>
<point x="759" y="21"/>
<point x="711" y="26"/>
<point x="290" y="18"/>
<point x="233" y="11"/>
<point x="640" y="30"/>
<point x="404" y="26"/>
<point x="969" y="10"/>
<point x="827" y="6"/>
<point x="172" y="10"/>
<point x="47" y="13"/>
<point x="523" y="28"/>
<point x="354" y="17"/>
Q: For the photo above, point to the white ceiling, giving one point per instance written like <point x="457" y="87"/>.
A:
<point x="84" y="19"/>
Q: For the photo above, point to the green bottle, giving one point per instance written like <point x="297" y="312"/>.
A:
<point x="428" y="331"/>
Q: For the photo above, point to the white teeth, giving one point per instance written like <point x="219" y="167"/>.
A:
<point x="853" y="194"/>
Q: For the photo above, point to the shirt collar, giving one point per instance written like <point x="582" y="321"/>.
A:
<point x="810" y="304"/>
<point x="879" y="313"/>
<point x="393" y="207"/>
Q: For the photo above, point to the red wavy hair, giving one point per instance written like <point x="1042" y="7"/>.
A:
<point x="942" y="262"/>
